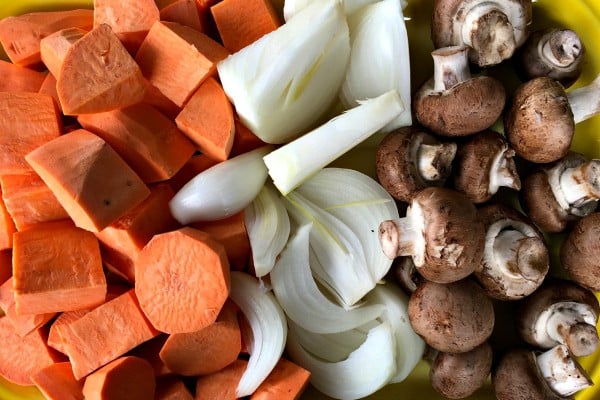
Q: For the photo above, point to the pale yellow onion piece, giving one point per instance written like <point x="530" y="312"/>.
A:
<point x="283" y="83"/>
<point x="268" y="226"/>
<point x="300" y="297"/>
<point x="409" y="346"/>
<point x="360" y="202"/>
<point x="374" y="70"/>
<point x="366" y="370"/>
<point x="269" y="329"/>
<point x="296" y="161"/>
<point x="222" y="190"/>
<point x="292" y="7"/>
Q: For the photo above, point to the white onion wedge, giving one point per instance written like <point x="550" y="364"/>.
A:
<point x="292" y="7"/>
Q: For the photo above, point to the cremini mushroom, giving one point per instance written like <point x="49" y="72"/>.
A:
<point x="580" y="252"/>
<point x="410" y="159"/>
<point x="523" y="374"/>
<point x="540" y="118"/>
<point x="459" y="375"/>
<point x="515" y="257"/>
<point x="492" y="29"/>
<point x="556" y="194"/>
<point x="483" y="164"/>
<point x="455" y="103"/>
<point x="440" y="231"/>
<point x="407" y="276"/>
<point x="552" y="52"/>
<point x="560" y="312"/>
<point x="453" y="317"/>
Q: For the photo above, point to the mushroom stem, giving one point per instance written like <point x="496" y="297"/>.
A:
<point x="574" y="326"/>
<point x="504" y="172"/>
<point x="581" y="184"/>
<point x="560" y="47"/>
<point x="450" y="67"/>
<point x="488" y="30"/>
<point x="520" y="255"/>
<point x="585" y="101"/>
<point x="562" y="373"/>
<point x="435" y="160"/>
<point x="404" y="236"/>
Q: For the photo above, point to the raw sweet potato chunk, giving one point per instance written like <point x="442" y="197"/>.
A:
<point x="19" y="79"/>
<point x="20" y="35"/>
<point x="21" y="357"/>
<point x="207" y="119"/>
<point x="54" y="47"/>
<point x="56" y="382"/>
<point x="126" y="378"/>
<point x="27" y="120"/>
<point x="206" y="45"/>
<point x="171" y="388"/>
<point x="156" y="99"/>
<point x="57" y="267"/>
<point x="222" y="384"/>
<point x="5" y="265"/>
<point x="244" y="140"/>
<point x="287" y="381"/>
<point x="149" y="351"/>
<point x="89" y="179"/>
<point x="7" y="228"/>
<point x="193" y="167"/>
<point x="106" y="333"/>
<point x="184" y="12"/>
<point x="182" y="280"/>
<point x="148" y="141"/>
<point x="49" y="88"/>
<point x="98" y="75"/>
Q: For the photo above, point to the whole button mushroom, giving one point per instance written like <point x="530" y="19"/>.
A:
<point x="580" y="252"/>
<point x="560" y="312"/>
<point x="454" y="317"/>
<point x="515" y="256"/>
<point x="552" y="52"/>
<point x="410" y="159"/>
<point x="556" y="194"/>
<point x="483" y="164"/>
<point x="441" y="232"/>
<point x="491" y="29"/>
<point x="540" y="118"/>
<point x="454" y="103"/>
<point x="529" y="375"/>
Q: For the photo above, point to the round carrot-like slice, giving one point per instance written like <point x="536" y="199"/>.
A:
<point x="182" y="280"/>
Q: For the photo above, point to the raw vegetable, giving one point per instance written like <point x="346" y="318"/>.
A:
<point x="127" y="378"/>
<point x="291" y="7"/>
<point x="54" y="47"/>
<point x="56" y="382"/>
<point x="19" y="79"/>
<point x="221" y="384"/>
<point x="184" y="12"/>
<point x="285" y="382"/>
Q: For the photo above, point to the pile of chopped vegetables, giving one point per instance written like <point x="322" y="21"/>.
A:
<point x="173" y="226"/>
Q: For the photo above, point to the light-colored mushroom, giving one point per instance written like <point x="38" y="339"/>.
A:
<point x="580" y="252"/>
<point x="441" y="232"/>
<point x="483" y="164"/>
<point x="515" y="257"/>
<point x="560" y="312"/>
<point x="410" y="159"/>
<point x="492" y="29"/>
<point x="455" y="103"/>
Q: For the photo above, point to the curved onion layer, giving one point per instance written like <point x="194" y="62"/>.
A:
<point x="300" y="297"/>
<point x="268" y="226"/>
<point x="269" y="329"/>
<point x="292" y="7"/>
<point x="222" y="190"/>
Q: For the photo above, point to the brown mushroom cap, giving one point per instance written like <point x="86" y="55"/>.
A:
<point x="458" y="375"/>
<point x="539" y="121"/>
<point x="464" y="109"/>
<point x="517" y="377"/>
<point x="454" y="237"/>
<point x="454" y="317"/>
<point x="580" y="252"/>
<point x="539" y="203"/>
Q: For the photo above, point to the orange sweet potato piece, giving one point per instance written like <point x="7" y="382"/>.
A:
<point x="193" y="167"/>
<point x="19" y="79"/>
<point x="5" y="266"/>
<point x="21" y="35"/>
<point x="126" y="378"/>
<point x="49" y="88"/>
<point x="148" y="141"/>
<point x="21" y="357"/>
<point x="149" y="351"/>
<point x="89" y="179"/>
<point x="98" y="75"/>
<point x="182" y="280"/>
<point x="57" y="267"/>
<point x="206" y="45"/>
<point x="156" y="99"/>
<point x="241" y="22"/>
<point x="244" y="140"/>
<point x="222" y="384"/>
<point x="172" y="388"/>
<point x="54" y="47"/>
<point x="7" y="228"/>
<point x="29" y="201"/>
<point x="56" y="382"/>
<point x="106" y="333"/>
<point x="129" y="19"/>
<point x="27" y="120"/>
<point x="184" y="12"/>
<point x="207" y="119"/>
<point x="286" y="381"/>
<point x="159" y="58"/>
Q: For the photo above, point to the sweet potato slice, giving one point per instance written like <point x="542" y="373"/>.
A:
<point x="172" y="388"/>
<point x="7" y="228"/>
<point x="49" y="88"/>
<point x="222" y="384"/>
<point x="126" y="378"/>
<point x="56" y="382"/>
<point x="190" y="169"/>
<point x="98" y="75"/>
<point x="205" y="44"/>
<point x="19" y="79"/>
<point x="54" y="47"/>
<point x="5" y="265"/>
<point x="287" y="381"/>
<point x="89" y="179"/>
<point x="192" y="272"/>
<point x="184" y="12"/>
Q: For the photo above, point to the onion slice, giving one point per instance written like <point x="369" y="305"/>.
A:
<point x="269" y="329"/>
<point x="222" y="190"/>
<point x="300" y="297"/>
<point x="292" y="7"/>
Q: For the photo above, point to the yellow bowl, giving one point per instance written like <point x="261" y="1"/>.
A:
<point x="583" y="16"/>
